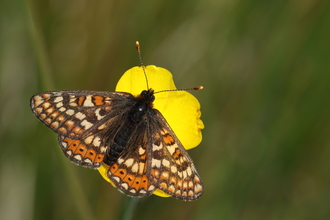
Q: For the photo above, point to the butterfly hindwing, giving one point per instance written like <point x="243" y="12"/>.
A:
<point x="129" y="171"/>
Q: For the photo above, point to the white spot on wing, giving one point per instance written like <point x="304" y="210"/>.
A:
<point x="88" y="101"/>
<point x="89" y="139"/>
<point x="155" y="147"/>
<point x="77" y="157"/>
<point x="59" y="105"/>
<point x="97" y="142"/>
<point x="86" y="124"/>
<point x="135" y="167"/>
<point x="171" y="148"/>
<point x="125" y="186"/>
<point x="80" y="115"/>
<point x="184" y="174"/>
<point x="58" y="99"/>
<point x="87" y="160"/>
<point x="70" y="112"/>
<point x="102" y="126"/>
<point x="37" y="100"/>
<point x="166" y="163"/>
<point x="57" y="93"/>
<point x="116" y="178"/>
<point x="129" y="162"/>
<point x="39" y="110"/>
<point x="55" y="124"/>
<point x="103" y="149"/>
<point x="198" y="187"/>
<point x="97" y="113"/>
<point x="151" y="187"/>
<point x="174" y="169"/>
<point x="46" y="105"/>
<point x="64" y="144"/>
<point x="189" y="171"/>
<point x="155" y="163"/>
<point x="141" y="151"/>
<point x="141" y="167"/>
<point x="164" y="174"/>
<point x="69" y="153"/>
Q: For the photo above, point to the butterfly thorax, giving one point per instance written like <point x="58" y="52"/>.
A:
<point x="144" y="102"/>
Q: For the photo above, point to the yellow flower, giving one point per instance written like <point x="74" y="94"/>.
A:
<point x="180" y="108"/>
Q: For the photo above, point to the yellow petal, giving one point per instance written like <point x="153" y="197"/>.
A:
<point x="180" y="109"/>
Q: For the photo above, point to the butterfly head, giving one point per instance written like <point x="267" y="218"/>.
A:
<point x="147" y="96"/>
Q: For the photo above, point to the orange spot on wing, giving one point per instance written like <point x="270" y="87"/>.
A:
<point x="155" y="173"/>
<point x="62" y="130"/>
<point x="143" y="157"/>
<point x="60" y="118"/>
<point x="176" y="154"/>
<point x="185" y="185"/>
<point x="137" y="183"/>
<point x="54" y="114"/>
<point x="113" y="168"/>
<point x="121" y="173"/>
<point x="144" y="182"/>
<point x="129" y="178"/>
<point x="163" y="185"/>
<point x="81" y="100"/>
<point x="98" y="100"/>
<point x="78" y="130"/>
<point x="168" y="139"/>
<point x="190" y="193"/>
<point x="54" y="125"/>
<point x="164" y="176"/>
<point x="69" y="124"/>
<point x="45" y="96"/>
<point x="172" y="180"/>
<point x="179" y="184"/>
<point x="91" y="154"/>
<point x="99" y="158"/>
<point x="50" y="110"/>
<point x="73" y="144"/>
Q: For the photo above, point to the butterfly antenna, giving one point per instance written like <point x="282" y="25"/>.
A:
<point x="172" y="90"/>
<point x="137" y="45"/>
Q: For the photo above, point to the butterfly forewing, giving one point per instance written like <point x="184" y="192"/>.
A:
<point x="75" y="114"/>
<point x="88" y="151"/>
<point x="170" y="167"/>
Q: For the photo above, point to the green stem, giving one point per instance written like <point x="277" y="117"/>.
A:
<point x="128" y="213"/>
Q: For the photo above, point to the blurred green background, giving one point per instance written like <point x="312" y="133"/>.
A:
<point x="265" y="67"/>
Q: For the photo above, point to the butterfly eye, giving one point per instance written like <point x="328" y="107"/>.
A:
<point x="144" y="92"/>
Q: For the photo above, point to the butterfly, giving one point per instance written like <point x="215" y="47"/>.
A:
<point x="125" y="133"/>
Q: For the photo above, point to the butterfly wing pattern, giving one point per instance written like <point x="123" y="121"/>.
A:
<point x="123" y="132"/>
